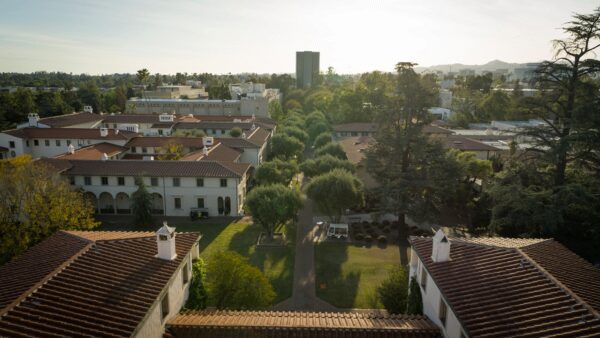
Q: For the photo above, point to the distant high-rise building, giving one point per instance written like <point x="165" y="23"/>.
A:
<point x="307" y="68"/>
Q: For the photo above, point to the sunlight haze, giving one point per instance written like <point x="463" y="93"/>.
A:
<point x="262" y="36"/>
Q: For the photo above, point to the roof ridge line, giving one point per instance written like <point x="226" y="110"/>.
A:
<point x="488" y="245"/>
<point x="559" y="283"/>
<point x="48" y="277"/>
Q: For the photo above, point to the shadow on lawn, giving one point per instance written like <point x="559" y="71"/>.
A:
<point x="332" y="285"/>
<point x="276" y="262"/>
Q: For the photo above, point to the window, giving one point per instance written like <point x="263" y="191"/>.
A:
<point x="87" y="180"/>
<point x="144" y="150"/>
<point x="47" y="143"/>
<point x="154" y="181"/>
<point x="423" y="278"/>
<point x="185" y="274"/>
<point x="160" y="132"/>
<point x="36" y="143"/>
<point x="354" y="133"/>
<point x="121" y="180"/>
<point x="176" y="181"/>
<point x="57" y="143"/>
<point x="442" y="312"/>
<point x="177" y="201"/>
<point x="199" y="182"/>
<point x="27" y="143"/>
<point x="223" y="182"/>
<point x="164" y="307"/>
<point x="12" y="144"/>
<point x="68" y="142"/>
<point x="72" y="180"/>
<point x="133" y="149"/>
<point x="104" y="180"/>
<point x="200" y="202"/>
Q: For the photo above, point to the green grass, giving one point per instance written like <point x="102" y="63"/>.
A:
<point x="348" y="275"/>
<point x="276" y="263"/>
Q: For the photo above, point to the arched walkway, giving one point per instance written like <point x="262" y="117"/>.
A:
<point x="106" y="203"/>
<point x="157" y="204"/>
<point x="123" y="203"/>
<point x="91" y="198"/>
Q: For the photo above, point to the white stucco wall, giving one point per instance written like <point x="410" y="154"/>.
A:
<point x="188" y="192"/>
<point x="431" y="300"/>
<point x="154" y="325"/>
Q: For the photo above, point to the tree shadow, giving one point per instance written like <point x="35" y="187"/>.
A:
<point x="332" y="284"/>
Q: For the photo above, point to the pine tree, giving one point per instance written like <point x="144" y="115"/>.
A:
<point x="414" y="303"/>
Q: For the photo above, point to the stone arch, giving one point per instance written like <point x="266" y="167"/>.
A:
<point x="123" y="203"/>
<point x="91" y="198"/>
<point x="106" y="203"/>
<point x="157" y="203"/>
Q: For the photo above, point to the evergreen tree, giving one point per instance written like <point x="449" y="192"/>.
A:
<point x="414" y="303"/>
<point x="198" y="297"/>
<point x="141" y="203"/>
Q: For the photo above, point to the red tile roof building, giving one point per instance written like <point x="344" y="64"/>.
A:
<point x="94" y="284"/>
<point x="298" y="324"/>
<point x="502" y="287"/>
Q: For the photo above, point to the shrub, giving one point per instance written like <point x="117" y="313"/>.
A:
<point x="386" y="223"/>
<point x="365" y="223"/>
<point x="382" y="239"/>
<point x="387" y="230"/>
<point x="393" y="291"/>
<point x="198" y="297"/>
<point x="359" y="236"/>
<point x="355" y="226"/>
<point x="235" y="132"/>
<point x="368" y="238"/>
<point x="414" y="304"/>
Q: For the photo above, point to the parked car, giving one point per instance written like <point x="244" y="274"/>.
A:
<point x="337" y="230"/>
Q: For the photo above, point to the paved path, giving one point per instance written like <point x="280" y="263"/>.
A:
<point x="304" y="290"/>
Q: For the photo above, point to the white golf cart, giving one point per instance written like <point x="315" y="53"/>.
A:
<point x="337" y="231"/>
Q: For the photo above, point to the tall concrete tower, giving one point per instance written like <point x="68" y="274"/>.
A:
<point x="307" y="69"/>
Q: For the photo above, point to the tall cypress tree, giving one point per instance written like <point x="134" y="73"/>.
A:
<point x="141" y="203"/>
<point x="414" y="303"/>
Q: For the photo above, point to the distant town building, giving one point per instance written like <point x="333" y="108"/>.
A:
<point x="501" y="287"/>
<point x="307" y="69"/>
<point x="176" y="92"/>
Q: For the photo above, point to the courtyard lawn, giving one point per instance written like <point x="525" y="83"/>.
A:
<point x="347" y="276"/>
<point x="277" y="263"/>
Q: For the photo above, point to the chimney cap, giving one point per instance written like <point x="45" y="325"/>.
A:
<point x="165" y="229"/>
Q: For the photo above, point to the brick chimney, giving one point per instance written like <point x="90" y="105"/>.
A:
<point x="440" y="250"/>
<point x="165" y="240"/>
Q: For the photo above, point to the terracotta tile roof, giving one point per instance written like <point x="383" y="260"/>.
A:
<point x="132" y="118"/>
<point x="358" y="127"/>
<point x="69" y="133"/>
<point x="219" y="152"/>
<point x="227" y="125"/>
<point x="56" y="165"/>
<point x="497" y="290"/>
<point x="467" y="144"/>
<point x="83" y="287"/>
<point x="237" y="142"/>
<point x="94" y="152"/>
<point x="158" y="141"/>
<point x="354" y="147"/>
<point x="70" y="119"/>
<point x="259" y="136"/>
<point x="211" y="323"/>
<point x="501" y="242"/>
<point x="429" y="129"/>
<point x="158" y="168"/>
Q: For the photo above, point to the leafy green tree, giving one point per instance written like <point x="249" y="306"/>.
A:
<point x="233" y="283"/>
<point x="171" y="150"/>
<point x="495" y="106"/>
<point x="393" y="291"/>
<point x="335" y="192"/>
<point x="36" y="202"/>
<point x="292" y="104"/>
<point x="317" y="128"/>
<point x="276" y="111"/>
<point x="90" y="95"/>
<point x="333" y="149"/>
<point x="273" y="205"/>
<point x="275" y="171"/>
<point x="295" y="132"/>
<point x="198" y="298"/>
<point x="324" y="164"/>
<point x="286" y="147"/>
<point x="235" y="132"/>
<point x="414" y="301"/>
<point x="322" y="139"/>
<point x="141" y="203"/>
<point x="415" y="174"/>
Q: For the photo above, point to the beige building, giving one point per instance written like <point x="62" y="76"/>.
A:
<point x="176" y="92"/>
<point x="246" y="106"/>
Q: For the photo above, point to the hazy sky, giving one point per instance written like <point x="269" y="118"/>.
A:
<point x="221" y="36"/>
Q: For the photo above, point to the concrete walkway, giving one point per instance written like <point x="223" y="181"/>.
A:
<point x="304" y="296"/>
